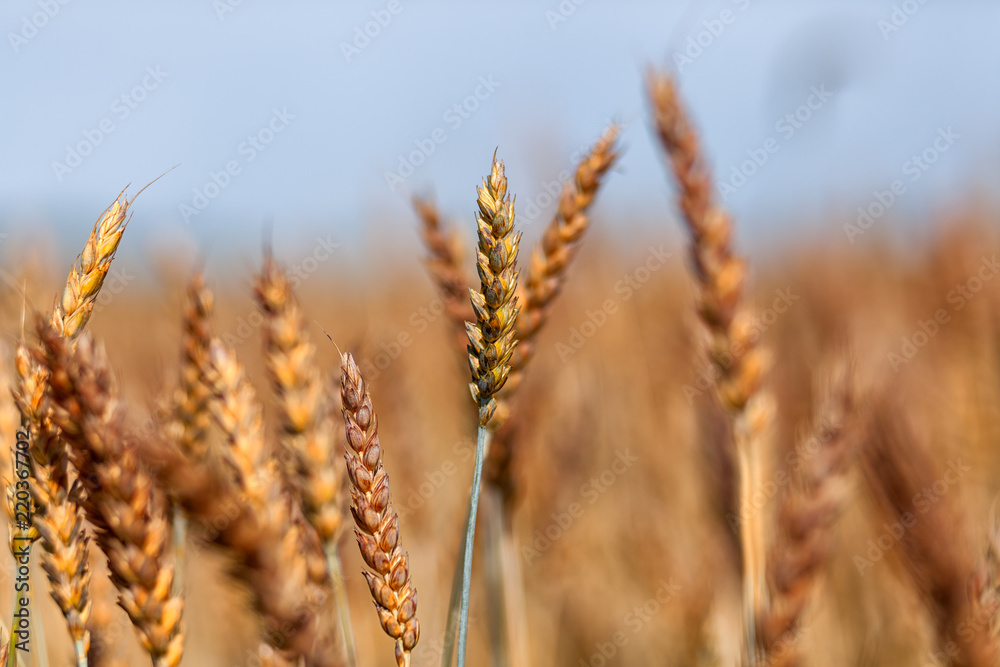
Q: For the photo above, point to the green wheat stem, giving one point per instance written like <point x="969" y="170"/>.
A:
<point x="470" y="536"/>
<point x="451" y="625"/>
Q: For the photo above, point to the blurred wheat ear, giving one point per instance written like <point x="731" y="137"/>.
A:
<point x="739" y="362"/>
<point x="309" y="428"/>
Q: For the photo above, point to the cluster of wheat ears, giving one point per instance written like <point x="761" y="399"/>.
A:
<point x="278" y="509"/>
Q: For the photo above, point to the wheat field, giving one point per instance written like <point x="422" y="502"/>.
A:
<point x="693" y="459"/>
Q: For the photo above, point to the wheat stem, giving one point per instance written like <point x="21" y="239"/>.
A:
<point x="470" y="535"/>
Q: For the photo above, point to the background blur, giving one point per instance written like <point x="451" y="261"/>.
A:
<point x="311" y="125"/>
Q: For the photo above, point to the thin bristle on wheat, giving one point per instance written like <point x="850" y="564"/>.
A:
<point x="444" y="264"/>
<point x="191" y="400"/>
<point x="128" y="511"/>
<point x="492" y="337"/>
<point x="87" y="276"/>
<point x="805" y="522"/>
<point x="377" y="522"/>
<point x="309" y="428"/>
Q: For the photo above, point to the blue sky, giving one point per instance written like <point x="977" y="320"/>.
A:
<point x="308" y="114"/>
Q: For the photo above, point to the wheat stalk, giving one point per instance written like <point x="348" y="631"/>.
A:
<point x="129" y="513"/>
<point x="739" y="363"/>
<point x="376" y="520"/>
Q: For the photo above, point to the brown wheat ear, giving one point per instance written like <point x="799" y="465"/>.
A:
<point x="128" y="511"/>
<point x="377" y="522"/>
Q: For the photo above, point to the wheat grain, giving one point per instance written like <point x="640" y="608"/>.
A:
<point x="376" y="520"/>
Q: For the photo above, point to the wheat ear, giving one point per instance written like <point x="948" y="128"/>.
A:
<point x="264" y="548"/>
<point x="732" y="349"/>
<point x="376" y="520"/>
<point x="129" y="513"/>
<point x="260" y="487"/>
<point x="192" y="398"/>
<point x="58" y="516"/>
<point x="309" y="429"/>
<point x="491" y="343"/>
<point x="805" y="522"/>
<point x="444" y="265"/>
